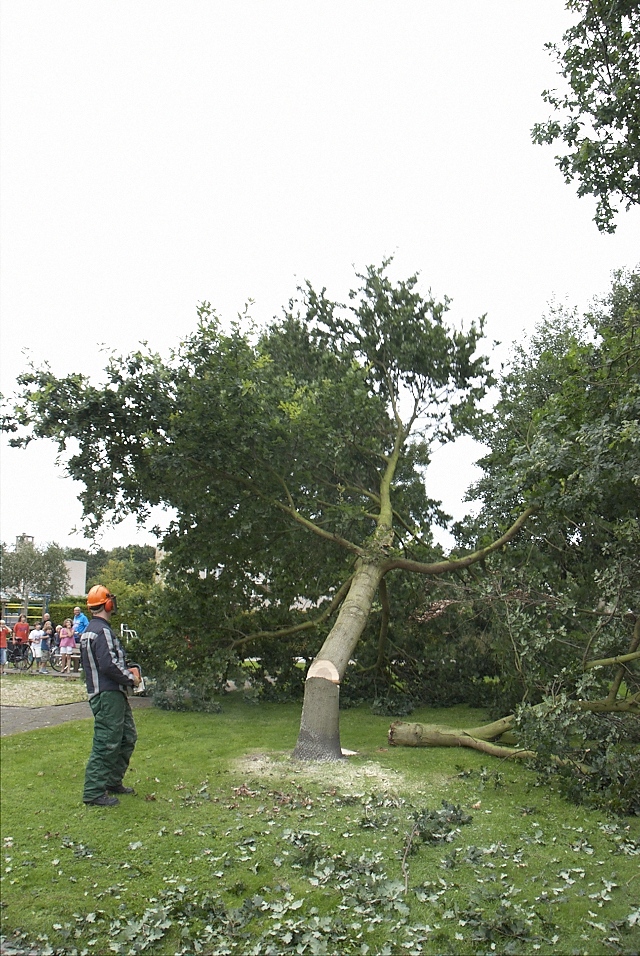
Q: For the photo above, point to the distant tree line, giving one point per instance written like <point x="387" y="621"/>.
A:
<point x="138" y="562"/>
<point x="28" y="569"/>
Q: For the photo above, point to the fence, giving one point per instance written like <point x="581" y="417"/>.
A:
<point x="38" y="604"/>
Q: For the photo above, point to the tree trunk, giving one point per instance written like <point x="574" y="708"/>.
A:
<point x="402" y="734"/>
<point x="319" y="737"/>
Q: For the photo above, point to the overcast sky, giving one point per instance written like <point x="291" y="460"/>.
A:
<point x="157" y="153"/>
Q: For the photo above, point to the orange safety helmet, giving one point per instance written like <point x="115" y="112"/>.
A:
<point x="99" y="597"/>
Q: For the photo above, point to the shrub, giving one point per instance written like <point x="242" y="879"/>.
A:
<point x="185" y="692"/>
<point x="61" y="610"/>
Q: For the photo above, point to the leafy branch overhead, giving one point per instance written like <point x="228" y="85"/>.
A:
<point x="597" y="115"/>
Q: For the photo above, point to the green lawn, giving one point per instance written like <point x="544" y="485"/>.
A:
<point x="229" y="847"/>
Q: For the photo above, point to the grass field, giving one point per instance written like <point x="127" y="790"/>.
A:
<point x="230" y="847"/>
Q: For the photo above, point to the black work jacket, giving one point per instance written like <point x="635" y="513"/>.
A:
<point x="102" y="657"/>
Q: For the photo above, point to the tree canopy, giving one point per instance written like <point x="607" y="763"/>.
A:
<point x="139" y="562"/>
<point x="30" y="570"/>
<point x="597" y="119"/>
<point x="260" y="439"/>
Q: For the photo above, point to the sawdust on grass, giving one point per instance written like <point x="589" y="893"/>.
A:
<point x="32" y="691"/>
<point x="351" y="774"/>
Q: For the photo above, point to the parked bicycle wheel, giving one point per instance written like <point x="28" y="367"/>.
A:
<point x="24" y="659"/>
<point x="55" y="659"/>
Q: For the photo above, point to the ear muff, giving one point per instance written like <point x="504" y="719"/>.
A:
<point x="111" y="604"/>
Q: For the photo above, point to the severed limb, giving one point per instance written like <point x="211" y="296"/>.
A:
<point x="402" y="734"/>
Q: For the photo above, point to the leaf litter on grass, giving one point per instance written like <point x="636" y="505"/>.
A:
<point x="285" y="858"/>
<point x="366" y="909"/>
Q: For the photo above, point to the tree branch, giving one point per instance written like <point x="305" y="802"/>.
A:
<point x="290" y="510"/>
<point x="337" y="600"/>
<point x="607" y="661"/>
<point x="617" y="680"/>
<point x="408" y="528"/>
<point x="442" y="567"/>
<point x="631" y="705"/>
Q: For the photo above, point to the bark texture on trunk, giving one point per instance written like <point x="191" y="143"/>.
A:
<point x="319" y="737"/>
<point x="344" y="635"/>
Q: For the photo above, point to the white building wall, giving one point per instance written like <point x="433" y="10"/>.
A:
<point x="77" y="578"/>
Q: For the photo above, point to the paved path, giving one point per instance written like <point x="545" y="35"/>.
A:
<point x="17" y="720"/>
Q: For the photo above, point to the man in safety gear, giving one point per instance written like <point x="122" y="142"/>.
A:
<point x="108" y="678"/>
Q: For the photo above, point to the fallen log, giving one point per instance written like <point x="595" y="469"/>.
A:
<point x="402" y="734"/>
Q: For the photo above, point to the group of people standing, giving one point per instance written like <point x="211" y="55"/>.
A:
<point x="43" y="638"/>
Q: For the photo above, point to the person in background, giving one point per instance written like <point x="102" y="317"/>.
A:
<point x="108" y="679"/>
<point x="35" y="640"/>
<point x="67" y="645"/>
<point x="21" y="635"/>
<point x="80" y="623"/>
<point x="21" y="630"/>
<point x="45" y="646"/>
<point x="4" y="634"/>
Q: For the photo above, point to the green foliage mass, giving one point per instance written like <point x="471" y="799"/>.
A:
<point x="129" y="573"/>
<point x="271" y="446"/>
<point x="567" y="436"/>
<point x="561" y="607"/>
<point x="597" y="118"/>
<point x="138" y="561"/>
<point x="61" y="610"/>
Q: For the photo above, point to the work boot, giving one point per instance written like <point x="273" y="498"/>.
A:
<point x="103" y="801"/>
<point x="120" y="788"/>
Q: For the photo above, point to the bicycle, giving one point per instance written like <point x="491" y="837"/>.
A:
<point x="55" y="659"/>
<point x="20" y="655"/>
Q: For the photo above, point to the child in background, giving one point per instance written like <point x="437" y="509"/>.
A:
<point x="21" y="630"/>
<point x="45" y="646"/>
<point x="67" y="645"/>
<point x="35" y="640"/>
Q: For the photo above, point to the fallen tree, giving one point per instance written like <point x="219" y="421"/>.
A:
<point x="591" y="745"/>
<point x="482" y="738"/>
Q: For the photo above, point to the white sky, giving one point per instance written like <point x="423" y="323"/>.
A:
<point x="161" y="152"/>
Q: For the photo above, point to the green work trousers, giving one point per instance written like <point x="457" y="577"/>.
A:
<point x="114" y="737"/>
